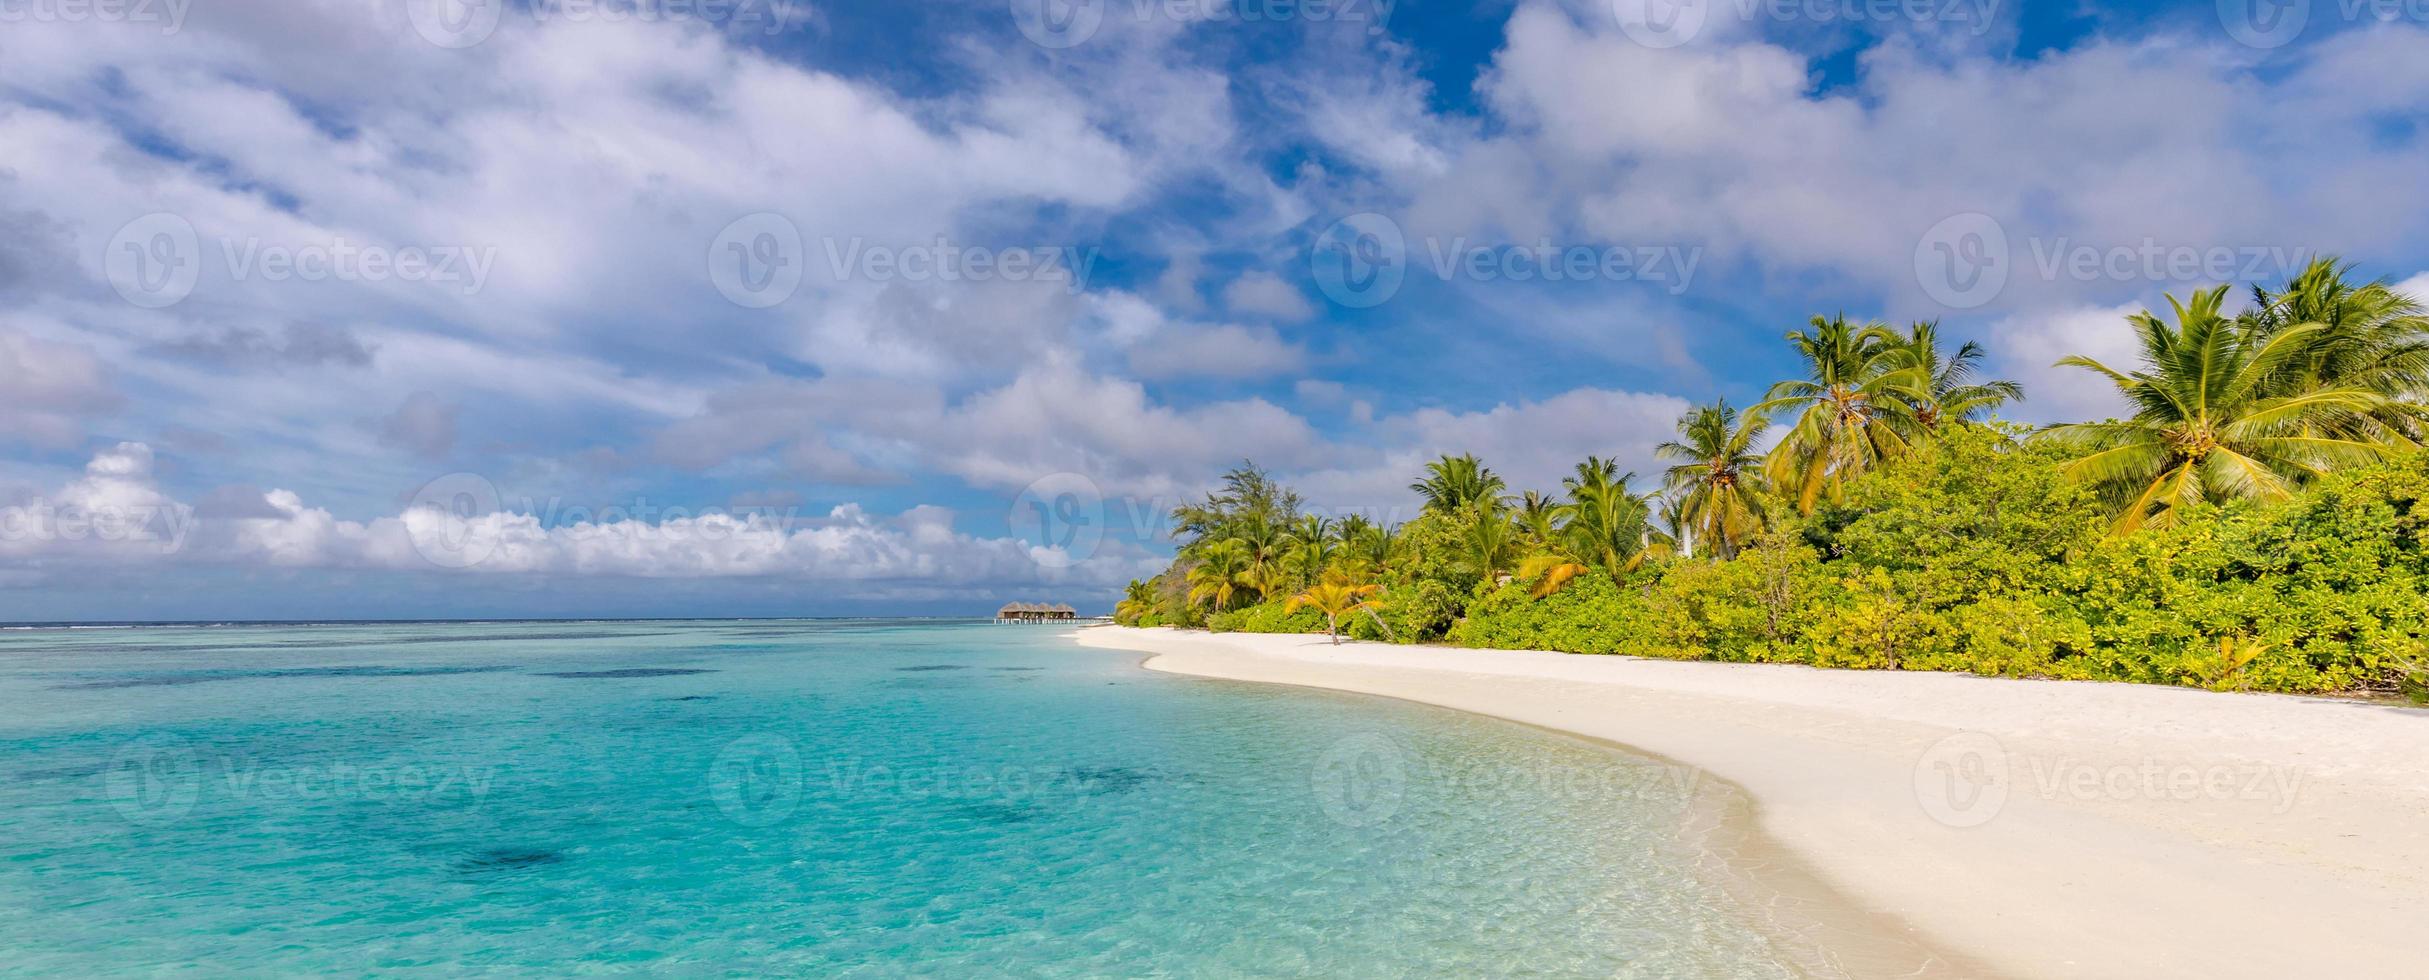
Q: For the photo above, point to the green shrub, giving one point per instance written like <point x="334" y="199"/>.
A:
<point x="1267" y="617"/>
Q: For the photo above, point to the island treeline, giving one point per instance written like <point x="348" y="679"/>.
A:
<point x="2255" y="523"/>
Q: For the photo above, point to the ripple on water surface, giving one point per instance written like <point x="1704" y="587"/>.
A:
<point x="882" y="798"/>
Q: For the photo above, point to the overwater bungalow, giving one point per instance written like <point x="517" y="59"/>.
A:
<point x="1035" y="612"/>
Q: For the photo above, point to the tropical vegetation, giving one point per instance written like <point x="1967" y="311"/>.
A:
<point x="2256" y="521"/>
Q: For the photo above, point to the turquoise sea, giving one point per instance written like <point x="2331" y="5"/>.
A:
<point x="820" y="798"/>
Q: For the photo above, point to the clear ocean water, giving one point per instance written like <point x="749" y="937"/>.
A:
<point x="824" y="798"/>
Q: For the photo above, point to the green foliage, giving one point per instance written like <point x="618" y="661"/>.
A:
<point x="1267" y="617"/>
<point x="1592" y="615"/>
<point x="2260" y="523"/>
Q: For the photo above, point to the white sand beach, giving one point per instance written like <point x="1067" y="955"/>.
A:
<point x="2026" y="828"/>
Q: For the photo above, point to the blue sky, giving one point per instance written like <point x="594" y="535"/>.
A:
<point x="419" y="308"/>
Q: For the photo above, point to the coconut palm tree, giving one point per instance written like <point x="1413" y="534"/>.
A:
<point x="1312" y="549"/>
<point x="1539" y="518"/>
<point x="1713" y="485"/>
<point x="1606" y="526"/>
<point x="1223" y="569"/>
<point x="1268" y="545"/>
<point x="1138" y="599"/>
<point x="2370" y="337"/>
<point x="1850" y="416"/>
<point x="2214" y="419"/>
<point x="1942" y="389"/>
<point x="1455" y="484"/>
<point x="1492" y="542"/>
<point x="1336" y="598"/>
<point x="1367" y="545"/>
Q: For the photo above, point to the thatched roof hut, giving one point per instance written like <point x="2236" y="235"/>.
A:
<point x="1035" y="612"/>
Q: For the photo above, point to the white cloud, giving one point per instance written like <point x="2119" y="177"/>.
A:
<point x="1218" y="351"/>
<point x="49" y="389"/>
<point x="2026" y="349"/>
<point x="1532" y="444"/>
<point x="117" y="512"/>
<point x="1265" y="294"/>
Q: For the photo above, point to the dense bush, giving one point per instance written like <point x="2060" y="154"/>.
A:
<point x="1978" y="556"/>
<point x="1267" y="617"/>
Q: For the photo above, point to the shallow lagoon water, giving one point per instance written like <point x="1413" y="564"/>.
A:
<point x="818" y="797"/>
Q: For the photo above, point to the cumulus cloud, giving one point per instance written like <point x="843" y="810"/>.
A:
<point x="49" y="389"/>
<point x="1265" y="294"/>
<point x="1532" y="444"/>
<point x="117" y="512"/>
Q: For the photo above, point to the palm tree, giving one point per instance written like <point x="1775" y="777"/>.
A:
<point x="1312" y="550"/>
<point x="1850" y="416"/>
<point x="1221" y="571"/>
<point x="1712" y="485"/>
<point x="1368" y="545"/>
<point x="2371" y="337"/>
<point x="1942" y="388"/>
<point x="1268" y="546"/>
<point x="1453" y="484"/>
<point x="1336" y="598"/>
<point x="1138" y="599"/>
<point x="2214" y="419"/>
<point x="1606" y="527"/>
<point x="1539" y="518"/>
<point x="1492" y="542"/>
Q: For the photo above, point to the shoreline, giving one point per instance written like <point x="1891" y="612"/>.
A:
<point x="2029" y="828"/>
